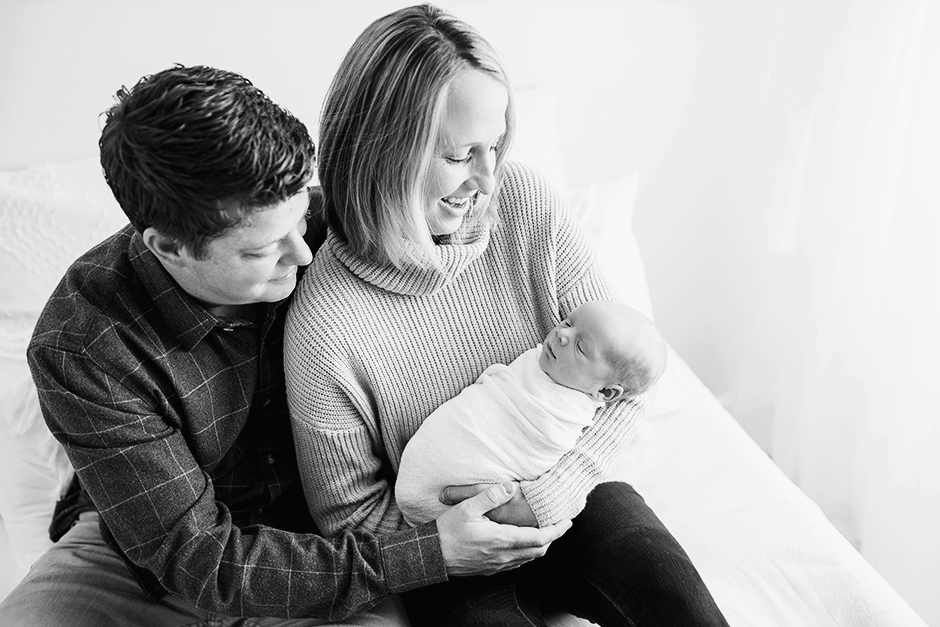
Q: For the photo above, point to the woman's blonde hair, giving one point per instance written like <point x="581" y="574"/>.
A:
<point x="379" y="128"/>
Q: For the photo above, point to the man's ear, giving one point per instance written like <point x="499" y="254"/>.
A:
<point x="167" y="249"/>
<point x="608" y="394"/>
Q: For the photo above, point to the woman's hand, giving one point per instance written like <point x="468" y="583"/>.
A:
<point x="514" y="512"/>
<point x="472" y="544"/>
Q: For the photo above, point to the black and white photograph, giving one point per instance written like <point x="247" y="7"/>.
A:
<point x="377" y="313"/>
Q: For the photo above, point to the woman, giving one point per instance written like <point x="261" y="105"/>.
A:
<point x="442" y="259"/>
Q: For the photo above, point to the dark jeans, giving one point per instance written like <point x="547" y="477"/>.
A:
<point x="617" y="565"/>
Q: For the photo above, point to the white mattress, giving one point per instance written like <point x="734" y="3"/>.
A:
<point x="766" y="551"/>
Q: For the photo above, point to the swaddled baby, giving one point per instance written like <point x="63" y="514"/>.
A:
<point x="515" y="422"/>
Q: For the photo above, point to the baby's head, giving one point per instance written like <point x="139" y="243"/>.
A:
<point x="605" y="349"/>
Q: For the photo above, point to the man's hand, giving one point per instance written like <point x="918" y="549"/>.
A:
<point x="514" y="512"/>
<point x="473" y="544"/>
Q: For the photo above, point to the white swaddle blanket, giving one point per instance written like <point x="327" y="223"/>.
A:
<point x="513" y="423"/>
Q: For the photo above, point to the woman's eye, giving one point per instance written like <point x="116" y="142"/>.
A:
<point x="457" y="160"/>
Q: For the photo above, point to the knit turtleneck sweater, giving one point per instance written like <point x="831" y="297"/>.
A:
<point x="372" y="350"/>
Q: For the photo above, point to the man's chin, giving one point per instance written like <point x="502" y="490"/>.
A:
<point x="276" y="291"/>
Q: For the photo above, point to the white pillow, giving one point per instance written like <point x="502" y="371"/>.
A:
<point x="605" y="211"/>
<point x="538" y="143"/>
<point x="49" y="215"/>
<point x="605" y="208"/>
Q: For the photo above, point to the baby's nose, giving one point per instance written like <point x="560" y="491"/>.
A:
<point x="562" y="339"/>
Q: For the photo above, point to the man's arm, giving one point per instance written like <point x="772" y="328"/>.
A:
<point x="160" y="507"/>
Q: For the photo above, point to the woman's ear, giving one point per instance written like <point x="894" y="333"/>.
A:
<point x="166" y="249"/>
<point x="608" y="394"/>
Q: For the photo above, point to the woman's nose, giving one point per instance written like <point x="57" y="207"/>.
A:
<point x="484" y="175"/>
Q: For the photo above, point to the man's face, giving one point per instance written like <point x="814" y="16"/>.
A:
<point x="254" y="262"/>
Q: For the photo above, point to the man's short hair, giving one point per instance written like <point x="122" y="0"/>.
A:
<point x="191" y="151"/>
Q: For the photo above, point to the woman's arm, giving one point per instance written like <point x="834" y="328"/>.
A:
<point x="561" y="492"/>
<point x="344" y="480"/>
<point x="345" y="476"/>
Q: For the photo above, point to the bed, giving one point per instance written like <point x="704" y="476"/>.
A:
<point x="766" y="551"/>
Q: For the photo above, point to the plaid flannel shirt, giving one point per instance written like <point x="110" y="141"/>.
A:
<point x="176" y="423"/>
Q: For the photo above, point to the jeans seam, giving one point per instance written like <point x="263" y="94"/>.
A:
<point x="515" y="598"/>
<point x="613" y="603"/>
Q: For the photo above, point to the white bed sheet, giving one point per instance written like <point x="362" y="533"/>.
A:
<point x="765" y="550"/>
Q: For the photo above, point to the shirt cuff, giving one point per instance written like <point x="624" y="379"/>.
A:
<point x="413" y="558"/>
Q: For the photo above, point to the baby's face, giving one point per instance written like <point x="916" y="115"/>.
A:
<point x="573" y="353"/>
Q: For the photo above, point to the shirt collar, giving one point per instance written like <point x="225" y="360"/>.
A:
<point x="187" y="320"/>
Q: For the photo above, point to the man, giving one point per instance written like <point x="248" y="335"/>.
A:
<point x="158" y="362"/>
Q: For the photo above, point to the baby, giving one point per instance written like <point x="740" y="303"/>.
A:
<point x="515" y="422"/>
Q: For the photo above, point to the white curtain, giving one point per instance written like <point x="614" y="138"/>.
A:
<point x="855" y="296"/>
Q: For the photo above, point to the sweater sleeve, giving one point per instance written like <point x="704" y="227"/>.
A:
<point x="561" y="492"/>
<point x="334" y="418"/>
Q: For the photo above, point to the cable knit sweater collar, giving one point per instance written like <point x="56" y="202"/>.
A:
<point x="454" y="252"/>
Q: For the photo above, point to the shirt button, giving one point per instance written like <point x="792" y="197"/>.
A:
<point x="270" y="460"/>
<point x="266" y="403"/>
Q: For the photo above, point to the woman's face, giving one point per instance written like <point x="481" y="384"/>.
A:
<point x="464" y="159"/>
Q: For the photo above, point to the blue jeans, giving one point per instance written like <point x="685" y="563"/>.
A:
<point x="617" y="565"/>
<point x="81" y="582"/>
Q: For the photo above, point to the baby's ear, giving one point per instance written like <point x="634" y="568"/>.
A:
<point x="608" y="394"/>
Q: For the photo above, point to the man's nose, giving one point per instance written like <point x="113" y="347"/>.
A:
<point x="298" y="253"/>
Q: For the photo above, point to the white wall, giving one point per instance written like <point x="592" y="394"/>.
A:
<point x="704" y="98"/>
